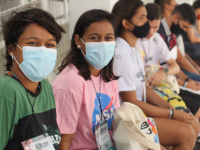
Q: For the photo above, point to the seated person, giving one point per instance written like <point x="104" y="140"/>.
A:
<point x="133" y="24"/>
<point x="86" y="89"/>
<point x="156" y="50"/>
<point x="173" y="25"/>
<point x="167" y="6"/>
<point x="154" y="47"/>
<point x="27" y="105"/>
<point x="192" y="37"/>
<point x="196" y="6"/>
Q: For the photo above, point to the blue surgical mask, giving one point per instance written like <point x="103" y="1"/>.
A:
<point x="99" y="54"/>
<point x="38" y="62"/>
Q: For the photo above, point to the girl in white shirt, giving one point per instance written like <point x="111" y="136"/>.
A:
<point x="181" y="129"/>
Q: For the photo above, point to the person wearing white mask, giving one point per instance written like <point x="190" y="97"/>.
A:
<point x="27" y="105"/>
<point x="86" y="89"/>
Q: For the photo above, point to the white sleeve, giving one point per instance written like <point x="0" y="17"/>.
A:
<point x="180" y="44"/>
<point x="124" y="67"/>
<point x="164" y="54"/>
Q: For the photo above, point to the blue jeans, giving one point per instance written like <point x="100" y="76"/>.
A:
<point x="191" y="75"/>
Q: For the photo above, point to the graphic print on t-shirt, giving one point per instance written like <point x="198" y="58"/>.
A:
<point x="108" y="111"/>
<point x="53" y="133"/>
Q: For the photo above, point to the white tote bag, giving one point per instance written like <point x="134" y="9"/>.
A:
<point x="169" y="79"/>
<point x="132" y="130"/>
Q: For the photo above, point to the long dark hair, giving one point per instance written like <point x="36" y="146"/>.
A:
<point x="75" y="56"/>
<point x="125" y="9"/>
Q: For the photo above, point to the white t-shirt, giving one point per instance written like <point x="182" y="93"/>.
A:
<point x="126" y="66"/>
<point x="154" y="50"/>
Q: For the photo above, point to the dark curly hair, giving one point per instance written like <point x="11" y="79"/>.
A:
<point x="75" y="56"/>
<point x="17" y="23"/>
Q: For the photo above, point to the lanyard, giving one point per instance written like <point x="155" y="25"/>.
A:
<point x="145" y="51"/>
<point x="32" y="106"/>
<point x="99" y="97"/>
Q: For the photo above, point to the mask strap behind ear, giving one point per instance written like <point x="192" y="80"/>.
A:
<point x="81" y="49"/>
<point x="18" y="46"/>
<point x="82" y="41"/>
<point x="13" y="57"/>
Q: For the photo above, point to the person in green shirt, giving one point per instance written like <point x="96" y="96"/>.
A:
<point x="27" y="105"/>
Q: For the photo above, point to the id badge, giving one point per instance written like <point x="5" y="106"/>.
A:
<point x="38" y="143"/>
<point x="102" y="137"/>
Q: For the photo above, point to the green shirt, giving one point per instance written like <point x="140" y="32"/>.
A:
<point x="17" y="122"/>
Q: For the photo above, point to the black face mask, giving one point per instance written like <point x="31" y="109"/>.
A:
<point x="176" y="29"/>
<point x="141" y="31"/>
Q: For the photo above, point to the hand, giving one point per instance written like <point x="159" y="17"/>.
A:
<point x="162" y="148"/>
<point x="157" y="78"/>
<point x="193" y="85"/>
<point x="183" y="116"/>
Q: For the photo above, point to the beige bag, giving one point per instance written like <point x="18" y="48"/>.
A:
<point x="132" y="130"/>
<point x="169" y="80"/>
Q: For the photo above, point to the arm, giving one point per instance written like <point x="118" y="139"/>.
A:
<point x="198" y="26"/>
<point x="156" y="100"/>
<point x="197" y="11"/>
<point x="173" y="67"/>
<point x="184" y="63"/>
<point x="159" y="76"/>
<point x="68" y="107"/>
<point x="148" y="109"/>
<point x="192" y="62"/>
<point x="153" y="111"/>
<point x="192" y="37"/>
<point x="66" y="140"/>
<point x="191" y="84"/>
<point x="182" y="76"/>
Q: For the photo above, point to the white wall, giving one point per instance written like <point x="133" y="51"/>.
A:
<point x="78" y="7"/>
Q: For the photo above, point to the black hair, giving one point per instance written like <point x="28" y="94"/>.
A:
<point x="154" y="12"/>
<point x="162" y="3"/>
<point x="186" y="13"/>
<point x="75" y="56"/>
<point x="18" y="22"/>
<point x="125" y="9"/>
<point x="196" y="4"/>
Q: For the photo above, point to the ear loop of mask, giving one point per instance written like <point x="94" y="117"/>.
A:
<point x="81" y="49"/>
<point x="13" y="57"/>
<point x="18" y="46"/>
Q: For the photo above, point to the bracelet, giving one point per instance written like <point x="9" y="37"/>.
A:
<point x="171" y="113"/>
<point x="185" y="82"/>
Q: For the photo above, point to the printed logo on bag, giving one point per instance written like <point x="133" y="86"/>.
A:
<point x="149" y="128"/>
<point x="54" y="134"/>
<point x="108" y="111"/>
